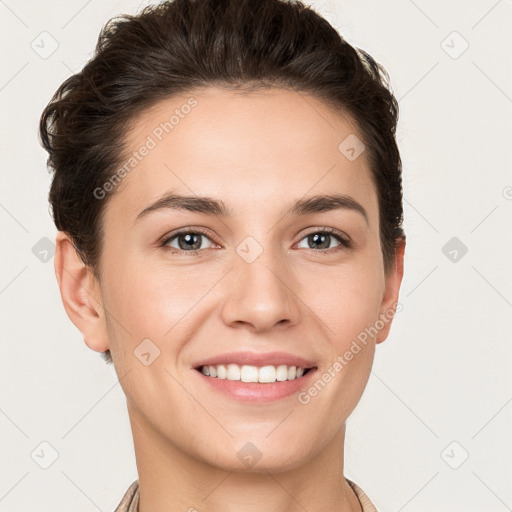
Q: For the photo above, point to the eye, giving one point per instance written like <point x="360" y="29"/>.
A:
<point x="322" y="239"/>
<point x="191" y="240"/>
<point x="187" y="240"/>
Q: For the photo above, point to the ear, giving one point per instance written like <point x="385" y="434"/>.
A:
<point x="391" y="291"/>
<point x="81" y="294"/>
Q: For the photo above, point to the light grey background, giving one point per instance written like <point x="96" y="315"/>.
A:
<point x="440" y="388"/>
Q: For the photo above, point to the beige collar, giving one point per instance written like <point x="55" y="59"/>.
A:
<point x="130" y="500"/>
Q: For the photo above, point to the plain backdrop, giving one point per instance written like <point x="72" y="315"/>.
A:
<point x="433" y="429"/>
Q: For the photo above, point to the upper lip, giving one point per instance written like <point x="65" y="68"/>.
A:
<point x="256" y="359"/>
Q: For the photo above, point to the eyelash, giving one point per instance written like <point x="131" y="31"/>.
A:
<point x="345" y="243"/>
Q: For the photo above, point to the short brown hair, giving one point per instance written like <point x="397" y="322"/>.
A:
<point x="179" y="45"/>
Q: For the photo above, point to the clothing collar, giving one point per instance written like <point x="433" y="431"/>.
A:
<point x="130" y="500"/>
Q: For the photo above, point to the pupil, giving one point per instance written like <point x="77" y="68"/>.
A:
<point x="321" y="238"/>
<point x="189" y="242"/>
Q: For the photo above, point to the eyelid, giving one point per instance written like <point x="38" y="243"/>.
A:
<point x="344" y="240"/>
<point x="187" y="229"/>
<point x="331" y="231"/>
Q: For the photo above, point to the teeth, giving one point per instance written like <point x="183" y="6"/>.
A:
<point x="233" y="372"/>
<point x="221" y="371"/>
<point x="247" y="373"/>
<point x="267" y="374"/>
<point x="282" y="373"/>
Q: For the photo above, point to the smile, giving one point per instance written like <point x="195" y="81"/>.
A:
<point x="247" y="373"/>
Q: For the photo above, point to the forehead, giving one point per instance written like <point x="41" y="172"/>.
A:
<point x="251" y="149"/>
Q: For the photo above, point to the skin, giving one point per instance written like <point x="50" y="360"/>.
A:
<point x="258" y="153"/>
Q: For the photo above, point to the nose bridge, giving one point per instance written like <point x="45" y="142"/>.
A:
<point x="260" y="291"/>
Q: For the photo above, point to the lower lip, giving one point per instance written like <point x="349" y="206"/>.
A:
<point x="256" y="391"/>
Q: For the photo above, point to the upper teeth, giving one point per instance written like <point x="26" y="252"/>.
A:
<point x="248" y="373"/>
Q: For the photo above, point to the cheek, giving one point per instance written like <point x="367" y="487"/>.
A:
<point x="346" y="300"/>
<point x="349" y="309"/>
<point x="153" y="301"/>
<point x="148" y="303"/>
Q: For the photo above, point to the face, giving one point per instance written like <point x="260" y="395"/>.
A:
<point x="269" y="274"/>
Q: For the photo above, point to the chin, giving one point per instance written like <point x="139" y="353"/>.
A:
<point x="243" y="456"/>
<point x="270" y="464"/>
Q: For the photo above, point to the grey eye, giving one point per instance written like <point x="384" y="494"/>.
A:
<point x="321" y="240"/>
<point x="189" y="241"/>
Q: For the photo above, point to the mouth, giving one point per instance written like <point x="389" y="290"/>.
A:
<point x="255" y="377"/>
<point x="267" y="374"/>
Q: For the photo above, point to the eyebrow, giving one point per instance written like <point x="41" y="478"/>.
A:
<point x="211" y="206"/>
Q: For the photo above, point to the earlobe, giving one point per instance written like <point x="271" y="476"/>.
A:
<point x="391" y="293"/>
<point x="80" y="293"/>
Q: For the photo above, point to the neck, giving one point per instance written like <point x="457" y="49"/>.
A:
<point x="171" y="480"/>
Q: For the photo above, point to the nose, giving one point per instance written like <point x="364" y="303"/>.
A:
<point x="260" y="295"/>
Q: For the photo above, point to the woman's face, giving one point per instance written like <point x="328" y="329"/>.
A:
<point x="269" y="278"/>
